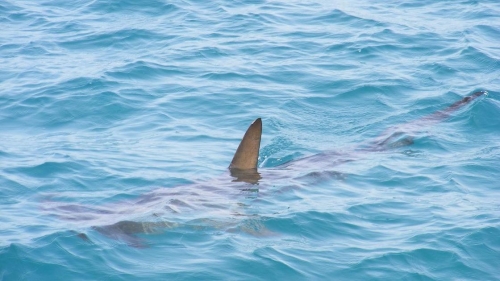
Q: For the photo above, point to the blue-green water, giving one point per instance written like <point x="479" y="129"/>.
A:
<point x="102" y="102"/>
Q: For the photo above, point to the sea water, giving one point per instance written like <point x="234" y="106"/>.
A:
<point x="102" y="102"/>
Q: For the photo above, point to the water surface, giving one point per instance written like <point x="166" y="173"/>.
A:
<point x="104" y="103"/>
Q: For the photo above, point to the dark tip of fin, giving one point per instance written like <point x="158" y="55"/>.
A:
<point x="247" y="154"/>
<point x="464" y="101"/>
<point x="475" y="95"/>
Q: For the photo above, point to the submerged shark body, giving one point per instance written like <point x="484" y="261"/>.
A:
<point x="220" y="200"/>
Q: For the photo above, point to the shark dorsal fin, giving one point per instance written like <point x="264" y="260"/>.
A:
<point x="247" y="154"/>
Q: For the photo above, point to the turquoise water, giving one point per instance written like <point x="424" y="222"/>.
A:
<point x="118" y="120"/>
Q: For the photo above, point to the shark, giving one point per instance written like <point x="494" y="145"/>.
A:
<point x="220" y="200"/>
